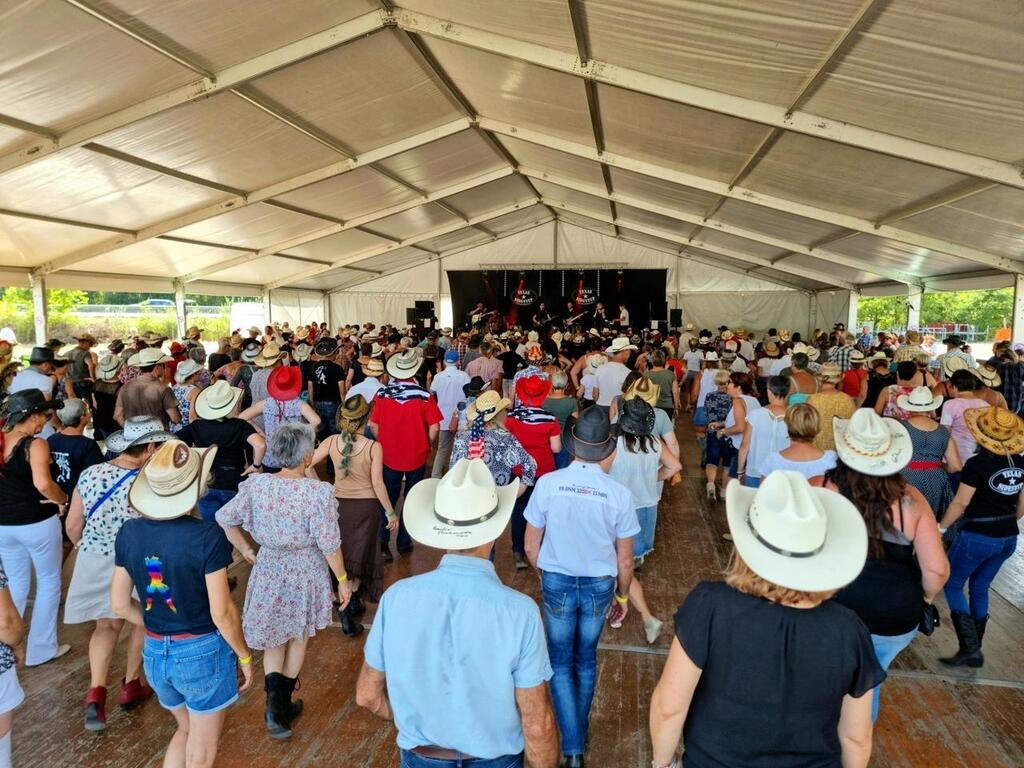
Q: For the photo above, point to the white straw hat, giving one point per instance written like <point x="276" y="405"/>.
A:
<point x="596" y="361"/>
<point x="217" y="400"/>
<point x="795" y="535"/>
<point x="620" y="344"/>
<point x="920" y="400"/>
<point x="172" y="481"/>
<point x="148" y="357"/>
<point x="186" y="368"/>
<point x="953" y="363"/>
<point x="403" y="365"/>
<point x="109" y="367"/>
<point x="137" y="431"/>
<point x="872" y="445"/>
<point x="462" y="510"/>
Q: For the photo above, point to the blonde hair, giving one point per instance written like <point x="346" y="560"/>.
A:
<point x="721" y="377"/>
<point x="740" y="577"/>
<point x="803" y="422"/>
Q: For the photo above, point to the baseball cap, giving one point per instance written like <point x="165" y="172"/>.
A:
<point x="451" y="356"/>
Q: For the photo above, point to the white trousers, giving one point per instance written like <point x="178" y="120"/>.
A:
<point x="22" y="549"/>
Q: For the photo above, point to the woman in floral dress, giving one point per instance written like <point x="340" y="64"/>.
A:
<point x="294" y="520"/>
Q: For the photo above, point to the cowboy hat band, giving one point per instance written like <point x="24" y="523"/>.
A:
<point x="466" y="523"/>
<point x="779" y="550"/>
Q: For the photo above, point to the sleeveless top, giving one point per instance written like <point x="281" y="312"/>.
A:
<point x="181" y="392"/>
<point x="358" y="483"/>
<point x="276" y="413"/>
<point x="20" y="502"/>
<point x="887" y="595"/>
<point x="638" y="472"/>
<point x="707" y="385"/>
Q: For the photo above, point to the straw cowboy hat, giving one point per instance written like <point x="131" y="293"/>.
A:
<point x="194" y="332"/>
<point x="85" y="337"/>
<point x="302" y="332"/>
<point x="403" y="365"/>
<point x="147" y="358"/>
<point x="689" y="327"/>
<point x="235" y="341"/>
<point x="172" y="481"/>
<point x="953" y="363"/>
<point x="109" y="367"/>
<point x="771" y="349"/>
<point x="186" y="368"/>
<point x="872" y="445"/>
<point x="797" y="536"/>
<point x="595" y="361"/>
<point x="913" y="337"/>
<point x="996" y="429"/>
<point x="285" y="383"/>
<point x="302" y="351"/>
<point x="533" y="390"/>
<point x="620" y="344"/>
<point x="830" y="373"/>
<point x="217" y="400"/>
<point x="373" y="367"/>
<point x="645" y="389"/>
<point x="533" y="336"/>
<point x="711" y="357"/>
<point x="741" y="332"/>
<point x="376" y="350"/>
<point x="987" y="375"/>
<point x="813" y="353"/>
<point x="727" y="334"/>
<point x="784" y="334"/>
<point x="251" y="349"/>
<point x="919" y="400"/>
<point x="354" y="408"/>
<point x="856" y="357"/>
<point x="462" y="510"/>
<point x="589" y="437"/>
<point x="138" y="430"/>
<point x="488" y="404"/>
<point x="269" y="355"/>
<point x="152" y="339"/>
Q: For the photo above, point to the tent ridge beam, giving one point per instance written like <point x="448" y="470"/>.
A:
<point x="27" y="127"/>
<point x="124" y="157"/>
<point x="682" y="178"/>
<point x="223" y="80"/>
<point x="714" y="101"/>
<point x="173" y="223"/>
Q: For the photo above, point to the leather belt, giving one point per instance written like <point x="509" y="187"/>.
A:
<point x="439" y="753"/>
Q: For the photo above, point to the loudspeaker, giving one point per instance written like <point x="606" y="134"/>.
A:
<point x="676" y="318"/>
<point x="659" y="310"/>
<point x="424" y="309"/>
<point x="411" y="316"/>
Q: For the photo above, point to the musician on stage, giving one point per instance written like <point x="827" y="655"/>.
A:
<point x="600" y="316"/>
<point x="542" y="317"/>
<point x="574" y="316"/>
<point x="623" y="317"/>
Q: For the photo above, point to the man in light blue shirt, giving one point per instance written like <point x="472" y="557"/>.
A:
<point x="447" y="387"/>
<point x="579" y="533"/>
<point x="455" y="658"/>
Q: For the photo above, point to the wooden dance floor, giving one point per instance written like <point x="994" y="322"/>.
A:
<point x="931" y="717"/>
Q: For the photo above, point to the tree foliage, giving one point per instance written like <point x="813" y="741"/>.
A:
<point x="982" y="309"/>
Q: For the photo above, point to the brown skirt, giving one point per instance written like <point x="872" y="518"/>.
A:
<point x="359" y="521"/>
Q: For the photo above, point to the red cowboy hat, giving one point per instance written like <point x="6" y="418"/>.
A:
<point x="532" y="390"/>
<point x="285" y="382"/>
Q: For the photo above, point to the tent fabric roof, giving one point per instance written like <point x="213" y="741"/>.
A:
<point x="859" y="144"/>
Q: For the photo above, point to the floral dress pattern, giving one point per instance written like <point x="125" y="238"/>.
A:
<point x="102" y="526"/>
<point x="181" y="393"/>
<point x="295" y="522"/>
<point x="276" y="413"/>
<point x="7" y="660"/>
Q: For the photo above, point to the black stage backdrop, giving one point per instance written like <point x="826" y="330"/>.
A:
<point x="517" y="294"/>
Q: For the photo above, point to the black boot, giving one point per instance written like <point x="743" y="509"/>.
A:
<point x="571" y="761"/>
<point x="294" y="708"/>
<point x="276" y="714"/>
<point x="356" y="606"/>
<point x="970" y="647"/>
<point x="979" y="628"/>
<point x="350" y="626"/>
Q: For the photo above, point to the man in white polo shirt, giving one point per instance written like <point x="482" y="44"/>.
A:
<point x="612" y="374"/>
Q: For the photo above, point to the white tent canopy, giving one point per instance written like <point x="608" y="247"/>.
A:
<point x="306" y="149"/>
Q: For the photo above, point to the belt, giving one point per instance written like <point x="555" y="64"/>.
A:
<point x="439" y="753"/>
<point x="925" y="465"/>
<point x="179" y="636"/>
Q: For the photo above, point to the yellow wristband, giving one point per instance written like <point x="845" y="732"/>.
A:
<point x="245" y="660"/>
<point x="343" y="578"/>
<point x="621" y="599"/>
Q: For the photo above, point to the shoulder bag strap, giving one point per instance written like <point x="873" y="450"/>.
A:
<point x="110" y="492"/>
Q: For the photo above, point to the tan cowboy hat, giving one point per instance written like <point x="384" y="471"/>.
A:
<point x="689" y="327"/>
<point x="302" y="351"/>
<point x="354" y="408"/>
<point x="269" y="355"/>
<point x="595" y="361"/>
<point x="857" y="357"/>
<point x="149" y="338"/>
<point x="462" y="510"/>
<point x="148" y="357"/>
<point x="194" y="332"/>
<point x="488" y="404"/>
<point x="996" y="429"/>
<point x="987" y="375"/>
<point x="645" y="389"/>
<point x="784" y="334"/>
<point x="830" y="373"/>
<point x="403" y="365"/>
<point x="85" y="337"/>
<point x="217" y="400"/>
<point x="172" y="481"/>
<point x="302" y="332"/>
<point x="235" y="342"/>
<point x="913" y="337"/>
<point x="795" y="535"/>
<point x="771" y="349"/>
<point x="376" y="350"/>
<point x="872" y="445"/>
<point x="920" y="400"/>
<point x="373" y="367"/>
<point x="952" y="364"/>
<point x="726" y="335"/>
<point x="109" y="367"/>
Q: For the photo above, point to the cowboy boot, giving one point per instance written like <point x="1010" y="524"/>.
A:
<point x="969" y="653"/>
<point x="276" y="712"/>
<point x="294" y="707"/>
<point x="96" y="709"/>
<point x="356" y="606"/>
<point x="133" y="693"/>
<point x="349" y="626"/>
<point x="979" y="628"/>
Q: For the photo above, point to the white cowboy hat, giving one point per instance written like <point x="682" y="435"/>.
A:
<point x="797" y="536"/>
<point x="953" y="363"/>
<point x="109" y="367"/>
<point x="594" y="332"/>
<point x="148" y="357"/>
<point x="919" y="400"/>
<point x="376" y="350"/>
<point x="462" y="510"/>
<point x="711" y="357"/>
<point x="186" y="368"/>
<point x="302" y="351"/>
<point x="620" y="344"/>
<point x="872" y="445"/>
<point x="217" y="400"/>
<point x="137" y="430"/>
<point x="533" y="336"/>
<point x="689" y="328"/>
<point x="403" y="365"/>
<point x="172" y="481"/>
<point x="596" y="361"/>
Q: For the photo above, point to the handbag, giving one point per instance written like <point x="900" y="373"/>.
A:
<point x="929" y="619"/>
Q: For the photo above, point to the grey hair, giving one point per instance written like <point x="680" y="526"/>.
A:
<point x="290" y="443"/>
<point x="198" y="354"/>
<point x="71" y="413"/>
<point x="559" y="380"/>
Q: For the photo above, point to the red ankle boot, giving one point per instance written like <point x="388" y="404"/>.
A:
<point x="133" y="693"/>
<point x="96" y="709"/>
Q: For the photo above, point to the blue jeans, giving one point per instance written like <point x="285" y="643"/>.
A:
<point x="751" y="482"/>
<point x="643" y="542"/>
<point x="212" y="500"/>
<point x="393" y="482"/>
<point x="574" y="613"/>
<point x="412" y="760"/>
<point x="886" y="650"/>
<point x="975" y="559"/>
<point x="327" y="410"/>
<point x="563" y="458"/>
<point x="198" y="673"/>
<point x="519" y="521"/>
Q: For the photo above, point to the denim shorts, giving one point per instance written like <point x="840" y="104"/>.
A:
<point x="198" y="673"/>
<point x="700" y="418"/>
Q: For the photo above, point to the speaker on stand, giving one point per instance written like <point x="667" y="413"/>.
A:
<point x="676" y="318"/>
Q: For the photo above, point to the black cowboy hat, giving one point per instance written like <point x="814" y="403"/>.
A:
<point x="325" y="347"/>
<point x="24" y="403"/>
<point x="40" y="355"/>
<point x="636" y="417"/>
<point x="589" y="437"/>
<point x="474" y="386"/>
<point x="953" y="340"/>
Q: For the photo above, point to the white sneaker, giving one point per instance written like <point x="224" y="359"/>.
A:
<point x="652" y="628"/>
<point x="712" y="496"/>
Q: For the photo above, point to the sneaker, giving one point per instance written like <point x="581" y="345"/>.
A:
<point x="712" y="496"/>
<point x="521" y="562"/>
<point x="652" y="628"/>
